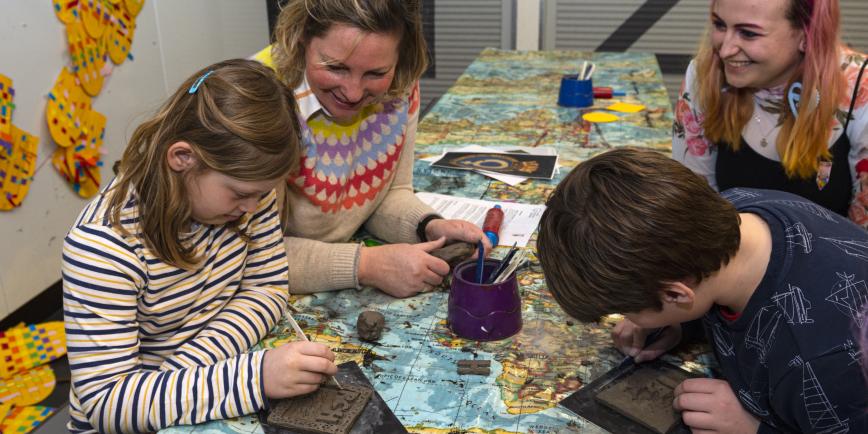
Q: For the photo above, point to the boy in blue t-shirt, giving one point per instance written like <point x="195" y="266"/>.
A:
<point x="778" y="281"/>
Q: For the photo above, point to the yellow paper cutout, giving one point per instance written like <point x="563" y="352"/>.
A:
<point x="119" y="37"/>
<point x="96" y="30"/>
<point x="599" y="117"/>
<point x="7" y="93"/>
<point x="94" y="17"/>
<point x="93" y="129"/>
<point x="66" y="10"/>
<point x="80" y="166"/>
<point x="5" y="408"/>
<point x="25" y="347"/>
<point x="17" y="152"/>
<point x="87" y="156"/>
<point x="264" y="57"/>
<point x="17" y="169"/>
<point x="66" y="106"/>
<point x="134" y="6"/>
<point x="624" y="107"/>
<point x="28" y="387"/>
<point x="88" y="57"/>
<point x="25" y="419"/>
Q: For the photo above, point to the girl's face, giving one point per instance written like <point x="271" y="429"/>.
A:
<point x="347" y="69"/>
<point x="755" y="42"/>
<point x="218" y="199"/>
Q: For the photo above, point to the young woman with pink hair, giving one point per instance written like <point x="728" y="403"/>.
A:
<point x="773" y="100"/>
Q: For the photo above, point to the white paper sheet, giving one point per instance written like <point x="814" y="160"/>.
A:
<point x="519" y="220"/>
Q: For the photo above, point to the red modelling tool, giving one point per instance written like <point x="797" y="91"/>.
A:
<point x="491" y="225"/>
<point x="607" y="92"/>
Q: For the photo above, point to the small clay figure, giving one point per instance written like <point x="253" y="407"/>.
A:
<point x="370" y="325"/>
<point x="474" y="367"/>
<point x="454" y="253"/>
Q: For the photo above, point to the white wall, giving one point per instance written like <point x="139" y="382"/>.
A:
<point x="173" y="39"/>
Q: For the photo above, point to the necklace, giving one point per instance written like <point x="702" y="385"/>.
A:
<point x="764" y="140"/>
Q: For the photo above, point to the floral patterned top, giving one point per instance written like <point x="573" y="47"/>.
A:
<point x="694" y="150"/>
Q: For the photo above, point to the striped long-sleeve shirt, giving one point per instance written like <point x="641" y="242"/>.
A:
<point x="151" y="345"/>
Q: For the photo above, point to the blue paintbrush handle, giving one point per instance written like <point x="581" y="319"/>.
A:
<point x="480" y="261"/>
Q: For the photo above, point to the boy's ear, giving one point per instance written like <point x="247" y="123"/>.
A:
<point x="180" y="157"/>
<point x="678" y="293"/>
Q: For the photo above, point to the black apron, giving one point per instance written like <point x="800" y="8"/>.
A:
<point x="747" y="168"/>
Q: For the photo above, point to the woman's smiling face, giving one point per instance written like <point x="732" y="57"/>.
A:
<point x="348" y="69"/>
<point x="756" y="43"/>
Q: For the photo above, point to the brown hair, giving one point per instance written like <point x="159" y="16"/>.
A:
<point x="624" y="223"/>
<point x="241" y="122"/>
<point x="302" y="20"/>
<point x="802" y="140"/>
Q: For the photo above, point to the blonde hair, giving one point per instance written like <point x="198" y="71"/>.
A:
<point x="302" y="20"/>
<point x="240" y="122"/>
<point x="802" y="140"/>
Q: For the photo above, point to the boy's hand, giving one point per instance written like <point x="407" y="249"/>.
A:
<point x="296" y="368"/>
<point x="708" y="405"/>
<point x="402" y="270"/>
<point x="630" y="340"/>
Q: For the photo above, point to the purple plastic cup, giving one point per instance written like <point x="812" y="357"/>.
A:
<point x="483" y="312"/>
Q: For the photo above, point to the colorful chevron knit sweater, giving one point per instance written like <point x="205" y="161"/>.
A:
<point x="350" y="175"/>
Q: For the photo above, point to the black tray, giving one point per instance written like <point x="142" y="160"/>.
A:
<point x="375" y="418"/>
<point x="583" y="402"/>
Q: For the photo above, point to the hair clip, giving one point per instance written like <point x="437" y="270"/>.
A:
<point x="199" y="82"/>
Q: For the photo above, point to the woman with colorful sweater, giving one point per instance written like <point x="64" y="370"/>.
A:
<point x="355" y="66"/>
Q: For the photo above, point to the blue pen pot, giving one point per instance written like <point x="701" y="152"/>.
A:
<point x="575" y="92"/>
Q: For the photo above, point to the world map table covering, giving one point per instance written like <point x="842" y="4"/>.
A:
<point x="504" y="98"/>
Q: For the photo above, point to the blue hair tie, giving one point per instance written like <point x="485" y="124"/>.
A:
<point x="199" y="82"/>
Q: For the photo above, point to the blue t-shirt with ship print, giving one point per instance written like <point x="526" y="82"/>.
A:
<point x="792" y="356"/>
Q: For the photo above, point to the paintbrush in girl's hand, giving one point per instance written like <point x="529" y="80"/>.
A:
<point x="300" y="333"/>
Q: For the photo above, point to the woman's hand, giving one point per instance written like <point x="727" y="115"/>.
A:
<point x="296" y="368"/>
<point x="630" y="340"/>
<point x="402" y="270"/>
<point x="708" y="405"/>
<point x="457" y="230"/>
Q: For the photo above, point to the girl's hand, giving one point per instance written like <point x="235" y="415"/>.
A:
<point x="296" y="368"/>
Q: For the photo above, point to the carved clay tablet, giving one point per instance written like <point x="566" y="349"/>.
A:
<point x="645" y="396"/>
<point x="329" y="410"/>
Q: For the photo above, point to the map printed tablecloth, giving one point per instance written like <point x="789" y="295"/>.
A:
<point x="504" y="98"/>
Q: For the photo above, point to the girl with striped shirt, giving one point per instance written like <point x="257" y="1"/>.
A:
<point x="178" y="267"/>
